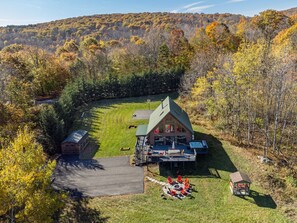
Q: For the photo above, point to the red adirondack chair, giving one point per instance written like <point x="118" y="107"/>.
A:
<point x="179" y="179"/>
<point x="169" y="179"/>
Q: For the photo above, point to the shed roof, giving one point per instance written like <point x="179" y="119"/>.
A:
<point x="141" y="130"/>
<point x="239" y="177"/>
<point x="169" y="106"/>
<point x="75" y="136"/>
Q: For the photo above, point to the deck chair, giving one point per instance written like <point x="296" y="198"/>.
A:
<point x="179" y="179"/>
<point x="169" y="179"/>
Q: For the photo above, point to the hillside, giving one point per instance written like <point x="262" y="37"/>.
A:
<point x="290" y="12"/>
<point x="235" y="77"/>
<point x="108" y="27"/>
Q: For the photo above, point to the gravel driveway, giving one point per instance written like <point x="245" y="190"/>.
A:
<point x="98" y="177"/>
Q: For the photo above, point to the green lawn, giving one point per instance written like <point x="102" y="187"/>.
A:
<point x="108" y="120"/>
<point x="108" y="123"/>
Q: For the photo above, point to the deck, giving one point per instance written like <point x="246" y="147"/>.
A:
<point x="162" y="153"/>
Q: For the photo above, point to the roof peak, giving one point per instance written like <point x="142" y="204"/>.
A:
<point x="169" y="106"/>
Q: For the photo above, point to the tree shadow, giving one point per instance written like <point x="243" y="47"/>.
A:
<point x="67" y="166"/>
<point x="263" y="200"/>
<point x="68" y="161"/>
<point x="78" y="211"/>
<point x="206" y="165"/>
<point x="90" y="150"/>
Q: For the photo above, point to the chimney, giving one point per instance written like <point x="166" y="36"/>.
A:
<point x="162" y="103"/>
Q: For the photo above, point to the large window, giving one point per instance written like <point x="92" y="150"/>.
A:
<point x="158" y="130"/>
<point x="159" y="141"/>
<point x="181" y="140"/>
<point x="169" y="128"/>
<point x="180" y="129"/>
<point x="169" y="140"/>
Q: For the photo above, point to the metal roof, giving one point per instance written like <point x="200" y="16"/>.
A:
<point x="239" y="177"/>
<point x="166" y="107"/>
<point x="76" y="136"/>
<point x="141" y="130"/>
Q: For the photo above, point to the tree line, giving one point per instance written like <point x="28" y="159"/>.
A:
<point x="113" y="28"/>
<point x="55" y="121"/>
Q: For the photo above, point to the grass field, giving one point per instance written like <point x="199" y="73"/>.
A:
<point x="108" y="123"/>
<point x="108" y="120"/>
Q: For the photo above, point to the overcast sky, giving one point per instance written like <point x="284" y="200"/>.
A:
<point x="18" y="12"/>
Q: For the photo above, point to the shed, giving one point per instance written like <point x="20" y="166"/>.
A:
<point x="240" y="183"/>
<point x="75" y="143"/>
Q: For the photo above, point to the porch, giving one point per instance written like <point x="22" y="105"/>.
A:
<point x="146" y="153"/>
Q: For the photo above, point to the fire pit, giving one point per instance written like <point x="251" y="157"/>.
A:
<point x="177" y="189"/>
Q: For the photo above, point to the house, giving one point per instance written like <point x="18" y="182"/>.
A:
<point x="166" y="137"/>
<point x="75" y="143"/>
<point x="240" y="183"/>
<point x="168" y="123"/>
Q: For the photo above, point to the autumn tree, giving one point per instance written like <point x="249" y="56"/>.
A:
<point x="18" y="87"/>
<point x="221" y="36"/>
<point x="180" y="49"/>
<point x="271" y="22"/>
<point x="94" y="62"/>
<point x="25" y="181"/>
<point x="68" y="52"/>
<point x="49" y="75"/>
<point x="204" y="60"/>
<point x="246" y="31"/>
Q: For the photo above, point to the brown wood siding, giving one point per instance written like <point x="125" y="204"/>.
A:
<point x="70" y="148"/>
<point x="169" y="119"/>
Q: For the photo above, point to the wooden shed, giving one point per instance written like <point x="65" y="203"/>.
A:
<point x="240" y="183"/>
<point x="75" y="143"/>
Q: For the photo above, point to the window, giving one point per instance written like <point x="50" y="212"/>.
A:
<point x="159" y="141"/>
<point x="180" y="129"/>
<point x="181" y="139"/>
<point x="169" y="128"/>
<point x="169" y="140"/>
<point x="158" y="130"/>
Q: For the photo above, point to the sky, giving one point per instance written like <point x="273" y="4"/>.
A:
<point x="23" y="12"/>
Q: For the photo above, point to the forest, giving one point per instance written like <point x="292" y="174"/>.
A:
<point x="236" y="72"/>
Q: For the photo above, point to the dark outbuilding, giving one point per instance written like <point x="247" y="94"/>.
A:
<point x="75" y="143"/>
<point x="240" y="183"/>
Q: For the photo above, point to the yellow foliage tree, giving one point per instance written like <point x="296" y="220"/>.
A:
<point x="26" y="194"/>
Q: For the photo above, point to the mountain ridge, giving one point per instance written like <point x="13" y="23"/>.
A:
<point x="115" y="27"/>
